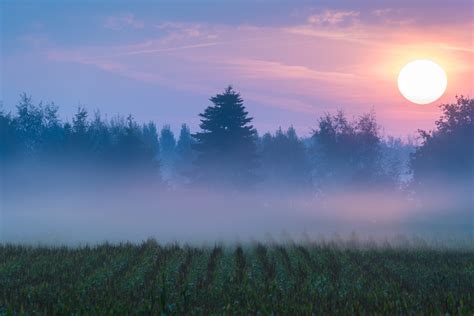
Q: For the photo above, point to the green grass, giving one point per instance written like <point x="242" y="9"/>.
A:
<point x="293" y="279"/>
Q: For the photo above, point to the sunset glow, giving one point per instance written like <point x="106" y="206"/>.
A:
<point x="293" y="64"/>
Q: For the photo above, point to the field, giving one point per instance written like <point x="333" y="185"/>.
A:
<point x="280" y="278"/>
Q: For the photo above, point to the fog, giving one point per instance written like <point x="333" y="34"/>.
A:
<point x="93" y="179"/>
<point x="88" y="206"/>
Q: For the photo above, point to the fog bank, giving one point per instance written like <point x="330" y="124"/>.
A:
<point x="91" y="211"/>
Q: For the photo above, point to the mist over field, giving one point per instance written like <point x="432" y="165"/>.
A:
<point x="94" y="209"/>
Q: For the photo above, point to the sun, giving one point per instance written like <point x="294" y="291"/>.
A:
<point x="422" y="81"/>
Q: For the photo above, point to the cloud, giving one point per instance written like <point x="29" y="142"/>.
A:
<point x="381" y="12"/>
<point x="164" y="49"/>
<point x="393" y="17"/>
<point x="348" y="35"/>
<point x="187" y="29"/>
<point x="332" y="17"/>
<point x="115" y="67"/>
<point x="271" y="70"/>
<point x="123" y="21"/>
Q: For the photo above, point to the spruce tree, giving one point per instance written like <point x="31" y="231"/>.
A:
<point x="167" y="152"/>
<point x="185" y="156"/>
<point x="226" y="145"/>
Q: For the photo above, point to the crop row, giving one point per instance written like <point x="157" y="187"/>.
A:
<point x="150" y="278"/>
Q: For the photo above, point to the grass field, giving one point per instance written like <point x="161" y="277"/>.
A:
<point x="293" y="279"/>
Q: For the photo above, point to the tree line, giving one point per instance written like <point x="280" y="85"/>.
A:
<point x="227" y="151"/>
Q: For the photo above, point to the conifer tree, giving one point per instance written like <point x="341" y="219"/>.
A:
<point x="184" y="155"/>
<point x="226" y="145"/>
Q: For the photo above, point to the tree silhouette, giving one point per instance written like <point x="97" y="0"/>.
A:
<point x="167" y="151"/>
<point x="185" y="156"/>
<point x="8" y="140"/>
<point x="447" y="152"/>
<point x="29" y="125"/>
<point x="52" y="135"/>
<point x="185" y="141"/>
<point x="79" y="138"/>
<point x="347" y="153"/>
<point x="150" y="138"/>
<point x="284" y="161"/>
<point x="226" y="143"/>
<point x="100" y="137"/>
<point x="167" y="143"/>
<point x="224" y="152"/>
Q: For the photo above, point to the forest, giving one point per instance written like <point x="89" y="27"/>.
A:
<point x="347" y="170"/>
<point x="229" y="152"/>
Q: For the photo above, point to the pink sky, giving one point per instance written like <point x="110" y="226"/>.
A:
<point x="288" y="73"/>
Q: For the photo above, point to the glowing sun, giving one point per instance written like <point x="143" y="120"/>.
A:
<point x="422" y="81"/>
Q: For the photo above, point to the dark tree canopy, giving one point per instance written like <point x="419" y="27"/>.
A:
<point x="167" y="143"/>
<point x="227" y="152"/>
<point x="35" y="136"/>
<point x="167" y="151"/>
<point x="226" y="145"/>
<point x="185" y="141"/>
<point x="185" y="156"/>
<point x="347" y="153"/>
<point x="284" y="161"/>
<point x="447" y="153"/>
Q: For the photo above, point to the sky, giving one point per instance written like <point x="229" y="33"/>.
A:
<point x="292" y="61"/>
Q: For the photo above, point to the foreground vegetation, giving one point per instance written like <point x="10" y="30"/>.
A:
<point x="290" y="278"/>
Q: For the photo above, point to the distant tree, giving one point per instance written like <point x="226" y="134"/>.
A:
<point x="34" y="144"/>
<point x="29" y="125"/>
<point x="226" y="145"/>
<point x="53" y="133"/>
<point x="151" y="148"/>
<point x="8" y="137"/>
<point x="396" y="157"/>
<point x="79" y="122"/>
<point x="447" y="153"/>
<point x="167" y="151"/>
<point x="150" y="138"/>
<point x="131" y="141"/>
<point x="185" y="141"/>
<point x="284" y="161"/>
<point x="100" y="138"/>
<point x="167" y="144"/>
<point x="184" y="155"/>
<point x="368" y="148"/>
<point x="347" y="153"/>
<point x="79" y="138"/>
<point x="130" y="152"/>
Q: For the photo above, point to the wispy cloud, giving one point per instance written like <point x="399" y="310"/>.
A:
<point x="348" y="35"/>
<point x="394" y="17"/>
<point x="458" y="48"/>
<point x="332" y="17"/>
<point x="381" y="12"/>
<point x="187" y="29"/>
<point x="123" y="21"/>
<point x="164" y="49"/>
<point x="272" y="70"/>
